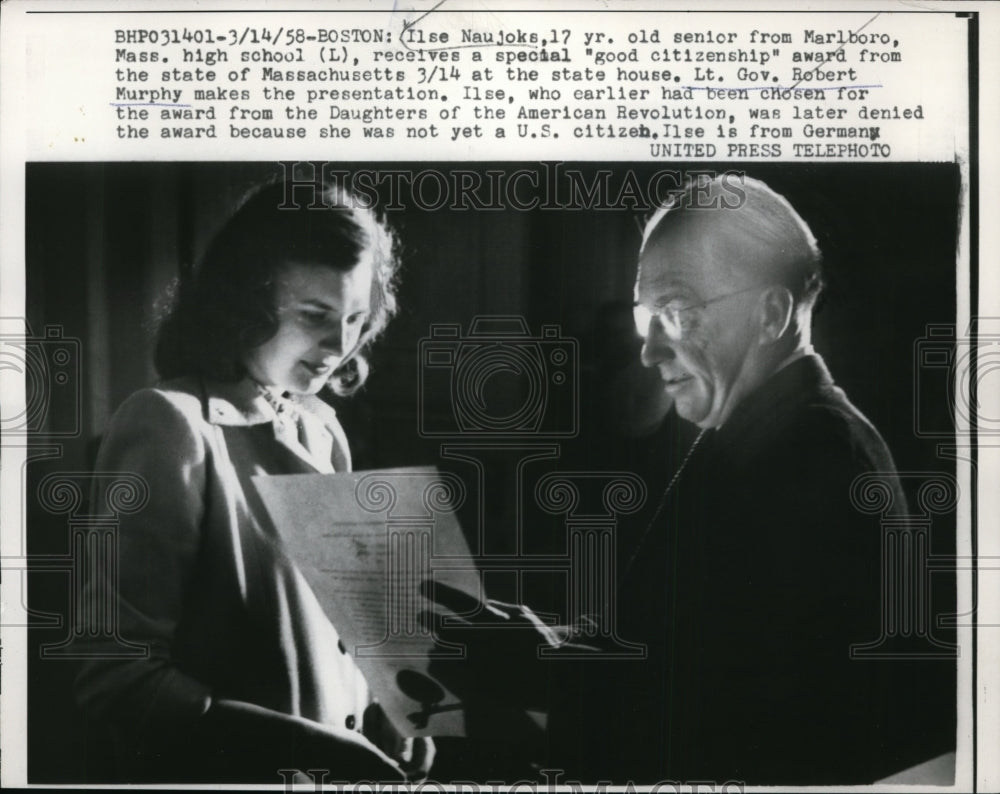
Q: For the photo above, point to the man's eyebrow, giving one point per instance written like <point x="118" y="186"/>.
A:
<point x="672" y="293"/>
<point x="655" y="280"/>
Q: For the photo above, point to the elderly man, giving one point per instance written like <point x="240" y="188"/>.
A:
<point x="757" y="573"/>
<point x="770" y="573"/>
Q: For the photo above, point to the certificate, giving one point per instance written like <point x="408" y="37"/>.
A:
<point x="370" y="544"/>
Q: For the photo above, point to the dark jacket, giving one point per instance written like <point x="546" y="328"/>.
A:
<point x="749" y="590"/>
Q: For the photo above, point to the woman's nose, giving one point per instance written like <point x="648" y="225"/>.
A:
<point x="333" y="339"/>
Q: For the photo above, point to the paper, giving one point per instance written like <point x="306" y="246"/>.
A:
<point x="365" y="541"/>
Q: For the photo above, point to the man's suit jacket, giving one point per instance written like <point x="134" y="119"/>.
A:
<point x="749" y="590"/>
<point x="204" y="582"/>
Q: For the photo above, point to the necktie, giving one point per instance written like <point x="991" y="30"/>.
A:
<point x="698" y="442"/>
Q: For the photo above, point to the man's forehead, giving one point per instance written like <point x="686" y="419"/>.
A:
<point x="659" y="275"/>
<point x="701" y="251"/>
<point x="688" y="253"/>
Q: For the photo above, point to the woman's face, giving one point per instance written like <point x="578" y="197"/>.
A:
<point x="321" y="314"/>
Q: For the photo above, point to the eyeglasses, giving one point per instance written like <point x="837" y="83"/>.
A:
<point x="676" y="318"/>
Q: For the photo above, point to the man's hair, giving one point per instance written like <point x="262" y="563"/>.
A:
<point x="228" y="307"/>
<point x="757" y="213"/>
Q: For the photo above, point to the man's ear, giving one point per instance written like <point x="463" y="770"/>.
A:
<point x="775" y="312"/>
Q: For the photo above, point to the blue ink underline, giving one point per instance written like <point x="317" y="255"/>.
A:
<point x="775" y="87"/>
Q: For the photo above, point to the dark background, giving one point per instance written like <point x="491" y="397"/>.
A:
<point x="104" y="240"/>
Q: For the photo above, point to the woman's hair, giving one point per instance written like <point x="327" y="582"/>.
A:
<point x="228" y="307"/>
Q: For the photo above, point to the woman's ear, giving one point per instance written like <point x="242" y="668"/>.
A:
<point x="775" y="311"/>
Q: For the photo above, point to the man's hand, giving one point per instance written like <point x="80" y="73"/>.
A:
<point x="504" y="664"/>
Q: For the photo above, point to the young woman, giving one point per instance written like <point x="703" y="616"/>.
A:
<point x="244" y="675"/>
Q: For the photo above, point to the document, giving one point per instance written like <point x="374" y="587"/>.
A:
<point x="366" y="543"/>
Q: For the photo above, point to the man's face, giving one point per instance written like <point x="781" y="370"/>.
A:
<point x="706" y="363"/>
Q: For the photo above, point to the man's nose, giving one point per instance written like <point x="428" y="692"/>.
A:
<point x="656" y="345"/>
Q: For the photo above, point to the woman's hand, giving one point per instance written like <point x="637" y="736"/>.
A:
<point x="255" y="741"/>
<point x="415" y="755"/>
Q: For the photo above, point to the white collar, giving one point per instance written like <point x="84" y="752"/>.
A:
<point x="241" y="404"/>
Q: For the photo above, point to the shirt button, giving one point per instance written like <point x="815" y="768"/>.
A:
<point x="340" y="646"/>
<point x="350" y="722"/>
